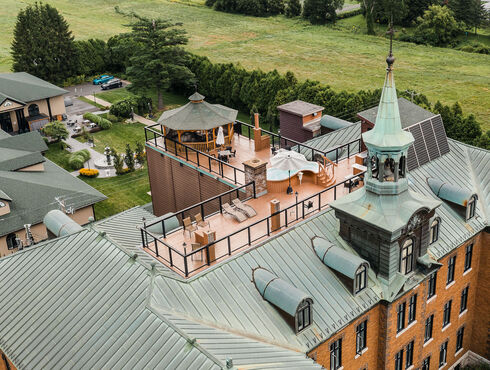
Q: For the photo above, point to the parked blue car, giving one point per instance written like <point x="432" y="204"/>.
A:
<point x="102" y="79"/>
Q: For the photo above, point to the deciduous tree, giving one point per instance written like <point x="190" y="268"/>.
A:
<point x="321" y="11"/>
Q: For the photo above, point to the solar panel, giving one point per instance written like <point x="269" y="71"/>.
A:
<point x="430" y="142"/>
<point x="440" y="133"/>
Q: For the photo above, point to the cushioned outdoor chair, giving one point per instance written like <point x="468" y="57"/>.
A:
<point x="239" y="216"/>
<point x="245" y="208"/>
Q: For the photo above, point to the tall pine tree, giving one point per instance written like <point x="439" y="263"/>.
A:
<point x="159" y="60"/>
<point x="43" y="44"/>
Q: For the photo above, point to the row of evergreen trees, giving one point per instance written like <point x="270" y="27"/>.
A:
<point x="155" y="43"/>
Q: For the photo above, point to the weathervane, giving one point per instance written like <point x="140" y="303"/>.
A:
<point x="195" y="86"/>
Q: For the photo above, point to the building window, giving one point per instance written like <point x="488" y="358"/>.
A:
<point x="360" y="282"/>
<point x="467" y="257"/>
<point x="443" y="354"/>
<point x="431" y="289"/>
<point x="336" y="354"/>
<point x="459" y="338"/>
<point x="361" y="334"/>
<point x="464" y="299"/>
<point x="406" y="258"/>
<point x="450" y="269"/>
<point x="400" y="317"/>
<point x="12" y="241"/>
<point x="447" y="314"/>
<point x="471" y="208"/>
<point x="409" y="358"/>
<point x="399" y="360"/>
<point x="434" y="231"/>
<point x="428" y="328"/>
<point x="303" y="316"/>
<point x="412" y="308"/>
<point x="426" y="364"/>
<point x="33" y="110"/>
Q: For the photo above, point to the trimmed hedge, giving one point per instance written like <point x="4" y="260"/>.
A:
<point x="102" y="122"/>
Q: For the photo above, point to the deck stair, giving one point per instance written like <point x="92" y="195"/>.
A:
<point x="326" y="175"/>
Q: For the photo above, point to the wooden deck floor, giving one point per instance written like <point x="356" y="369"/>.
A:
<point x="233" y="236"/>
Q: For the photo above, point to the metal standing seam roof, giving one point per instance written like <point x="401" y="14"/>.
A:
<point x="278" y="292"/>
<point x="334" y="139"/>
<point x="24" y="87"/>
<point x="89" y="311"/>
<point x="450" y="192"/>
<point x="197" y="115"/>
<point x="333" y="123"/>
<point x="337" y="258"/>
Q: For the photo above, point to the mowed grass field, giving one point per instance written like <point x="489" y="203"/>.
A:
<point x="333" y="55"/>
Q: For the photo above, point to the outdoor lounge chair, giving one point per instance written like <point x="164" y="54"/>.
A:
<point x="200" y="222"/>
<point x="239" y="216"/>
<point x="188" y="226"/>
<point x="245" y="208"/>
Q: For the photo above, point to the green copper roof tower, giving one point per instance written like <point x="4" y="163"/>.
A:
<point x="379" y="217"/>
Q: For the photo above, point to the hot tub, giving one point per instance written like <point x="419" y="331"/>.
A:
<point x="278" y="180"/>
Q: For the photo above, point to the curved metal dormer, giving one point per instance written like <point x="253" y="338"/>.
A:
<point x="285" y="296"/>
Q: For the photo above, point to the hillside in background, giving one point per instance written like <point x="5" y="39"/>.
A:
<point x="341" y="59"/>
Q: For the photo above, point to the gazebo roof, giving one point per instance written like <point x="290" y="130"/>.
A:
<point x="197" y="115"/>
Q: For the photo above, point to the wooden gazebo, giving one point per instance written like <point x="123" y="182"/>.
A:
<point x="196" y="124"/>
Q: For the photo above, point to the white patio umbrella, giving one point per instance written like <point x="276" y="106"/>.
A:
<point x="289" y="161"/>
<point x="220" y="138"/>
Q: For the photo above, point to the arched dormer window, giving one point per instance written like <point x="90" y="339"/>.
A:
<point x="33" y="110"/>
<point x="434" y="230"/>
<point x="471" y="208"/>
<point x="303" y="315"/>
<point x="361" y="278"/>
<point x="406" y="257"/>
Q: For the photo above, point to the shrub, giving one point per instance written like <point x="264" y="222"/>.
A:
<point x="89" y="172"/>
<point x="112" y="118"/>
<point x="121" y="108"/>
<point x="84" y="153"/>
<point x="76" y="161"/>
<point x="129" y="158"/>
<point x="437" y="26"/>
<point x="476" y="47"/>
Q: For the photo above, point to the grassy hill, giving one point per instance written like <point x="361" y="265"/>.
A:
<point x="341" y="59"/>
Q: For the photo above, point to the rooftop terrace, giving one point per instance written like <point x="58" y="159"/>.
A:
<point x="188" y="250"/>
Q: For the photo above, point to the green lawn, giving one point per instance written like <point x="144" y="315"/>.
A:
<point x="123" y="192"/>
<point x="58" y="156"/>
<point x="118" y="136"/>
<point x="344" y="60"/>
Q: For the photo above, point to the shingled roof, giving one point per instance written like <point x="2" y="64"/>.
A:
<point x="24" y="87"/>
<point x="33" y="193"/>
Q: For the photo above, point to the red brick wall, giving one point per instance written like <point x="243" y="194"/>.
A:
<point x="382" y="334"/>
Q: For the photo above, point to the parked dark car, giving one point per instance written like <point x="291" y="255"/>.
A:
<point x="112" y="84"/>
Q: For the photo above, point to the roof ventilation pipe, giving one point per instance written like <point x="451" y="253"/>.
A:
<point x="58" y="223"/>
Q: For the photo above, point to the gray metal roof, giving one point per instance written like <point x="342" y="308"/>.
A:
<point x="224" y="295"/>
<point x="300" y="108"/>
<point x="410" y="113"/>
<point x="337" y="258"/>
<point x="278" y="292"/>
<point x="450" y="192"/>
<point x="23" y="87"/>
<point x="334" y="139"/>
<point x="333" y="123"/>
<point x="78" y="302"/>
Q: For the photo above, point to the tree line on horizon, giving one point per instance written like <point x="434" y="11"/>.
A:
<point x="152" y="57"/>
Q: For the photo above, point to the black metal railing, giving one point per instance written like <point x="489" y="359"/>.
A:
<point x="245" y="236"/>
<point x="278" y="141"/>
<point x="206" y="208"/>
<point x="195" y="156"/>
